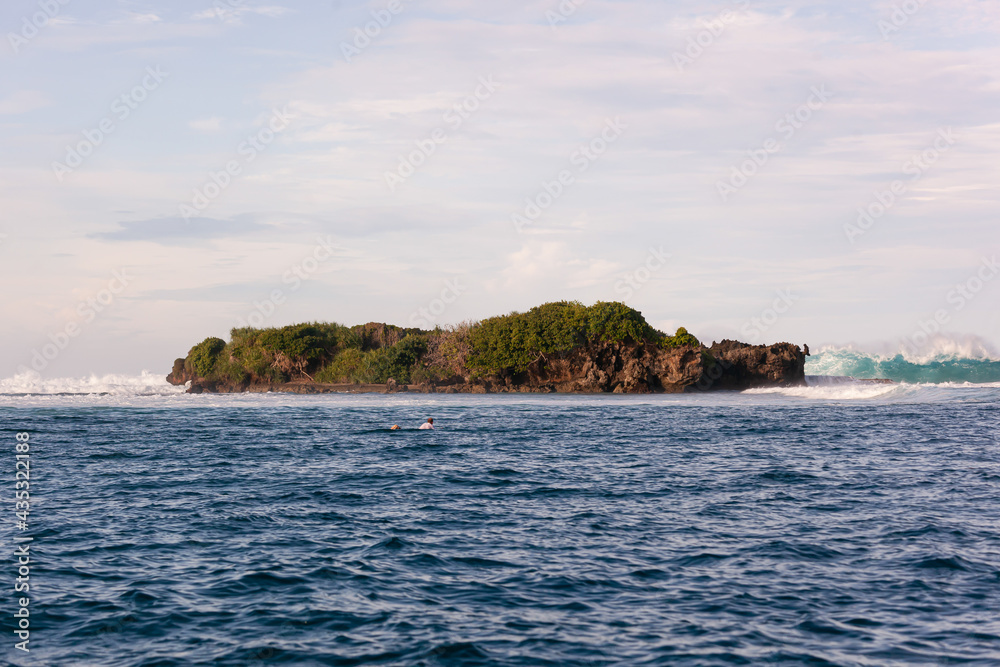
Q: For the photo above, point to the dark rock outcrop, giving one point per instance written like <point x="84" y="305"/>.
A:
<point x="742" y="366"/>
<point x="624" y="368"/>
<point x="180" y="374"/>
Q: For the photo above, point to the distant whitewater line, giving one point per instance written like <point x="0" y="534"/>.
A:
<point x="148" y="385"/>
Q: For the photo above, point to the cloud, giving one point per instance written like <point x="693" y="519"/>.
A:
<point x="144" y="18"/>
<point x="79" y="35"/>
<point x="178" y="231"/>
<point x="553" y="262"/>
<point x="232" y="14"/>
<point x="23" y="101"/>
<point x="235" y="293"/>
<point x="212" y="124"/>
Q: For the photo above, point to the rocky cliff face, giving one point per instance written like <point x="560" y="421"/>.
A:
<point x="622" y="368"/>
<point x="180" y="375"/>
<point x="631" y="368"/>
<point x="627" y="368"/>
<point x="741" y="366"/>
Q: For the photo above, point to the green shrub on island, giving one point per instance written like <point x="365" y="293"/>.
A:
<point x="232" y="371"/>
<point x="354" y="366"/>
<point x="617" y="323"/>
<point x="349" y="366"/>
<point x="203" y="356"/>
<point x="375" y="336"/>
<point x="511" y="342"/>
<point x="285" y="353"/>
<point x="680" y="339"/>
<point x="309" y="342"/>
<point x="269" y="355"/>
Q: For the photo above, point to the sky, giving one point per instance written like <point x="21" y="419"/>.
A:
<point x="816" y="172"/>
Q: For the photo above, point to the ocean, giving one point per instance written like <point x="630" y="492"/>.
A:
<point x="836" y="524"/>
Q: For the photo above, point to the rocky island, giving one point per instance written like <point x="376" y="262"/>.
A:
<point x="556" y="347"/>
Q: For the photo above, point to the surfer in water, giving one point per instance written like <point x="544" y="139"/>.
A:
<point x="428" y="425"/>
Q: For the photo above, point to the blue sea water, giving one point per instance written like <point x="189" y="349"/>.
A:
<point x="838" y="524"/>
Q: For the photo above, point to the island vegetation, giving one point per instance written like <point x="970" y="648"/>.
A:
<point x="517" y="351"/>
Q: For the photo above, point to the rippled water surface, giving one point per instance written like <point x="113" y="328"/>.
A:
<point x="543" y="531"/>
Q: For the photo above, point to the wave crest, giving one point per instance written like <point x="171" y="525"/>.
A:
<point x="32" y="383"/>
<point x="943" y="360"/>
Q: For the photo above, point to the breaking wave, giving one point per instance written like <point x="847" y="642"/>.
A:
<point x="33" y="384"/>
<point x="943" y="360"/>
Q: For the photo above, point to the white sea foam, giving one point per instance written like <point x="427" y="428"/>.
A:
<point x="939" y="348"/>
<point x="148" y="389"/>
<point x="952" y="348"/>
<point x="846" y="391"/>
<point x="823" y="388"/>
<point x="32" y="383"/>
